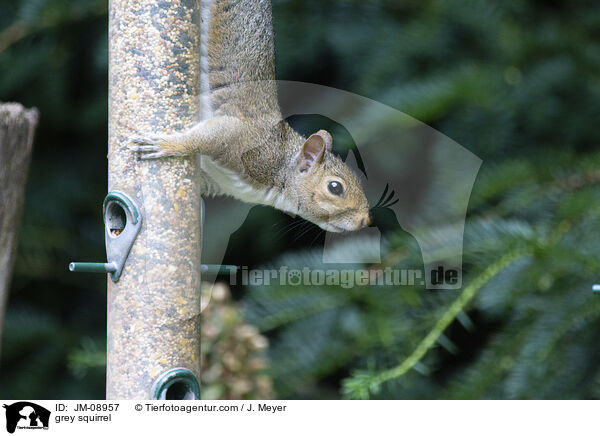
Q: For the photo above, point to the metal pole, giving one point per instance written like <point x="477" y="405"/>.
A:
<point x="153" y="327"/>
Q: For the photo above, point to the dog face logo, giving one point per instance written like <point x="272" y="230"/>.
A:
<point x="26" y="415"/>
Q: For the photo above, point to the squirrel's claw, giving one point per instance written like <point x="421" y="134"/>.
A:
<point x="147" y="145"/>
<point x="143" y="148"/>
<point x="156" y="155"/>
<point x="146" y="140"/>
<point x="148" y="151"/>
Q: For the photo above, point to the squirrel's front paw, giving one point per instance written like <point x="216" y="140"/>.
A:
<point x="151" y="146"/>
<point x="148" y="145"/>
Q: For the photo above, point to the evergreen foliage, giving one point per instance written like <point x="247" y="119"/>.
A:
<point x="522" y="326"/>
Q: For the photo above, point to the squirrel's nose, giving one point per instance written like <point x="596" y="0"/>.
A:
<point x="366" y="222"/>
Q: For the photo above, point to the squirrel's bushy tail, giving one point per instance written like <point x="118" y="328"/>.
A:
<point x="237" y="47"/>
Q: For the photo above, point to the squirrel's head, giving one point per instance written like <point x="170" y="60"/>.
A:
<point x="329" y="193"/>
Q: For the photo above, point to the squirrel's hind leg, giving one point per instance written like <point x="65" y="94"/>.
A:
<point x="206" y="138"/>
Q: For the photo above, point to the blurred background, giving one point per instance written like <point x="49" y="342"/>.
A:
<point x="517" y="83"/>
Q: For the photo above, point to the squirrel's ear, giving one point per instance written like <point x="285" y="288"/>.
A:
<point x="326" y="137"/>
<point x="313" y="150"/>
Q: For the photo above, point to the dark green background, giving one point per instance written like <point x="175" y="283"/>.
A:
<point x="517" y="83"/>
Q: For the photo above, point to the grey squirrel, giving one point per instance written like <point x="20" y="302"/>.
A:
<point x="248" y="151"/>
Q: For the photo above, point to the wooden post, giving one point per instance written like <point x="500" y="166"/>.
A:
<point x="17" y="126"/>
<point x="154" y="309"/>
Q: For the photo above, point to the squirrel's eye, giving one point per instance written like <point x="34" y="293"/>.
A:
<point x="336" y="188"/>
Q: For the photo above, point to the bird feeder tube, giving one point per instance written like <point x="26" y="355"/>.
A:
<point x="153" y="326"/>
